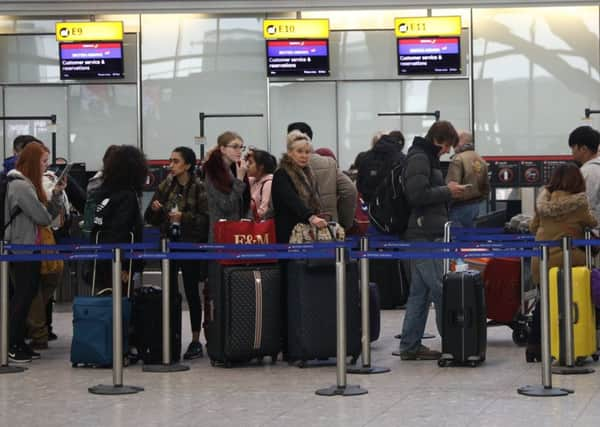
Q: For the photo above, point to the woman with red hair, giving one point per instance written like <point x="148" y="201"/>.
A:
<point x="26" y="209"/>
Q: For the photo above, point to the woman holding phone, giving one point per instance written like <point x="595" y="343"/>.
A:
<point x="27" y="209"/>
<point x="226" y="183"/>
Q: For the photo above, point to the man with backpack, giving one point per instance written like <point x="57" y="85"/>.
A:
<point x="375" y="164"/>
<point x="427" y="196"/>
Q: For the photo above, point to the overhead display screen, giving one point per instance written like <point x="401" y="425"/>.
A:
<point x="299" y="58"/>
<point x="429" y="55"/>
<point x="91" y="60"/>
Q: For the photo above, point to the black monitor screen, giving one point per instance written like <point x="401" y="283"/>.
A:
<point x="429" y="55"/>
<point x="301" y="58"/>
<point x="91" y="60"/>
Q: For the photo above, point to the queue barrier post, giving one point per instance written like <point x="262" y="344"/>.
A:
<point x="567" y="362"/>
<point x="166" y="365"/>
<point x="545" y="389"/>
<point x="117" y="387"/>
<point x="341" y="388"/>
<point x="5" y="368"/>
<point x="365" y="357"/>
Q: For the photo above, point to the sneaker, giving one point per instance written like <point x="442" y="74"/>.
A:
<point x="16" y="355"/>
<point x="52" y="336"/>
<point x="422" y="353"/>
<point x="194" y="351"/>
<point x="29" y="351"/>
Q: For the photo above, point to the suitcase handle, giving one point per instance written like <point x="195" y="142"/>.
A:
<point x="575" y="313"/>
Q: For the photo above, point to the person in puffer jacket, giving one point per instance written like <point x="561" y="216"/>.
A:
<point x="428" y="196"/>
<point x="562" y="209"/>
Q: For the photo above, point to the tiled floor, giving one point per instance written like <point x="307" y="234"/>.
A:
<point x="51" y="393"/>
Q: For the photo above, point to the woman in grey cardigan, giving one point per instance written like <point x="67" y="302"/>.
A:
<point x="26" y="209"/>
<point x="227" y="186"/>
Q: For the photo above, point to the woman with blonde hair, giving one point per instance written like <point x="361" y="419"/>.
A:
<point x="26" y="210"/>
<point x="294" y="191"/>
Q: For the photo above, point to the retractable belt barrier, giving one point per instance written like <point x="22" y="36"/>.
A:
<point x="501" y="246"/>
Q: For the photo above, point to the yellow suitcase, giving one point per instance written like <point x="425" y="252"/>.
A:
<point x="584" y="314"/>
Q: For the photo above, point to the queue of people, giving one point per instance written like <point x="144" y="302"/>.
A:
<point x="302" y="187"/>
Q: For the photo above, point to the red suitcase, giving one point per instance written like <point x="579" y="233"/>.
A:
<point x="502" y="279"/>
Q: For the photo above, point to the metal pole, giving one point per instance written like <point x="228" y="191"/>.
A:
<point x="166" y="366"/>
<point x="117" y="307"/>
<point x="588" y="250"/>
<point x="117" y="310"/>
<point x="341" y="388"/>
<point x="53" y="121"/>
<point x="340" y="275"/>
<point x="566" y="363"/>
<point x="545" y="390"/>
<point x="447" y="236"/>
<point x="568" y="301"/>
<point x="366" y="367"/>
<point x="4" y="367"/>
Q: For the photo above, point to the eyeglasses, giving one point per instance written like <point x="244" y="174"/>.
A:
<point x="236" y="147"/>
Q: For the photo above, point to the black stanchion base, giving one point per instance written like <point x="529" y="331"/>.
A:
<point x="9" y="369"/>
<point x="114" y="389"/>
<point x="367" y="370"/>
<point x="541" y="391"/>
<point x="424" y="337"/>
<point x="173" y="367"/>
<point x="571" y="370"/>
<point x="349" y="390"/>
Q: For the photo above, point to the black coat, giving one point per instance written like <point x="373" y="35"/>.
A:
<point x="289" y="209"/>
<point x="425" y="191"/>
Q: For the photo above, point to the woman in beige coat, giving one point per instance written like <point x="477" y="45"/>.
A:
<point x="561" y="209"/>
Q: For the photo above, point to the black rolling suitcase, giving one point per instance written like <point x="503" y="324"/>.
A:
<point x="243" y="317"/>
<point x="391" y="280"/>
<point x="464" y="330"/>
<point x="311" y="291"/>
<point x="147" y="324"/>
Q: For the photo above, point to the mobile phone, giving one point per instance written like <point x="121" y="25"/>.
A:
<point x="64" y="172"/>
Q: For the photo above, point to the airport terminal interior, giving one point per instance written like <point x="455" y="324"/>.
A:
<point x="519" y="76"/>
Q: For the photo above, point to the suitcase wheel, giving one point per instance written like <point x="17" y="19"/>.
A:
<point x="213" y="362"/>
<point x="353" y="360"/>
<point x="228" y="364"/>
<point x="473" y="364"/>
<point x="520" y="335"/>
<point x="595" y="357"/>
<point x="442" y="363"/>
<point x="301" y="364"/>
<point x="580" y="361"/>
<point x="531" y="356"/>
<point x="274" y="358"/>
<point x="260" y="360"/>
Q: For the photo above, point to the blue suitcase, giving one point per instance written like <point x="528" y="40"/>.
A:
<point x="92" y="343"/>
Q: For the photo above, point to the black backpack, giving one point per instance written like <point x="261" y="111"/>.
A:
<point x="389" y="210"/>
<point x="375" y="165"/>
<point x="4" y="223"/>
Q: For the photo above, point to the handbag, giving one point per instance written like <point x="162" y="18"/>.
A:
<point x="46" y="237"/>
<point x="245" y="232"/>
<point x="306" y="233"/>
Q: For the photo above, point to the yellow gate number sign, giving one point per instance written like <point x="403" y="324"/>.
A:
<point x="428" y="26"/>
<point x="274" y="29"/>
<point x="89" y="31"/>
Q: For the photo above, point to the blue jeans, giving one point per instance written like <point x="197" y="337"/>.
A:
<point x="425" y="287"/>
<point x="464" y="215"/>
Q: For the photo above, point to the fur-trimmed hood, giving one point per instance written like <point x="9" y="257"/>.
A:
<point x="560" y="203"/>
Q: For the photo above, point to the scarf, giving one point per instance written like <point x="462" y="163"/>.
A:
<point x="304" y="181"/>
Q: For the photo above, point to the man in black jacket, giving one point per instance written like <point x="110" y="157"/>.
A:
<point x="428" y="196"/>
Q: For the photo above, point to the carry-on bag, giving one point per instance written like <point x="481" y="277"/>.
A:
<point x="392" y="281"/>
<point x="464" y="331"/>
<point x="242" y="321"/>
<point x="311" y="297"/>
<point x="147" y="324"/>
<point x="583" y="314"/>
<point x="92" y="343"/>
